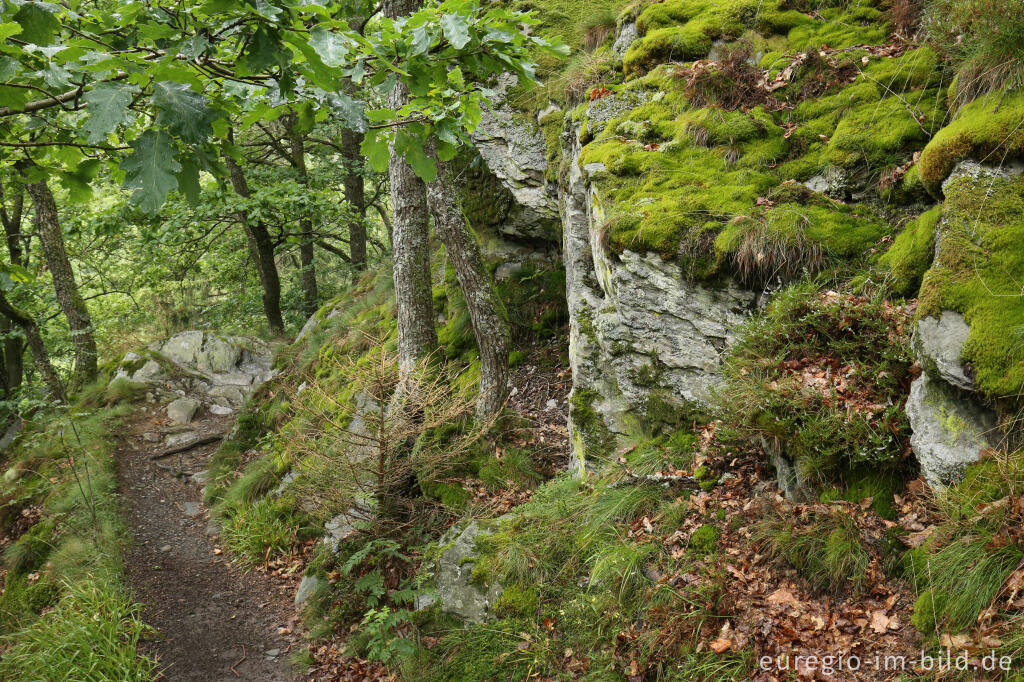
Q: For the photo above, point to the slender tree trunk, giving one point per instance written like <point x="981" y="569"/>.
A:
<point x="13" y="354"/>
<point x="70" y="299"/>
<point x="417" y="337"/>
<point x="11" y="220"/>
<point x="309" y="289"/>
<point x="355" y="195"/>
<point x="261" y="248"/>
<point x="35" y="344"/>
<point x="13" y="349"/>
<point x="485" y="309"/>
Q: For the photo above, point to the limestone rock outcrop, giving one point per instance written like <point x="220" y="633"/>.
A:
<point x="200" y="366"/>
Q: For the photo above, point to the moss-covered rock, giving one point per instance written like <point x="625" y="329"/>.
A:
<point x="987" y="130"/>
<point x="977" y="272"/>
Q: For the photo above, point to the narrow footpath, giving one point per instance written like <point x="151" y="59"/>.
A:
<point x="215" y="622"/>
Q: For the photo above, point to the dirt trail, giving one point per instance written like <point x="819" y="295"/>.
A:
<point x="215" y="621"/>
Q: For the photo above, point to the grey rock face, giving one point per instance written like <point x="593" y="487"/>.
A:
<point x="938" y="342"/>
<point x="307" y="328"/>
<point x="340" y="527"/>
<point x="182" y="410"/>
<point x="454" y="571"/>
<point x="832" y="182"/>
<point x="183" y="348"/>
<point x="11" y="433"/>
<point x="308" y="585"/>
<point x="224" y="369"/>
<point x="977" y="171"/>
<point x="149" y="372"/>
<point x="628" y="33"/>
<point x="234" y="394"/>
<point x="949" y="429"/>
<point x="218" y="355"/>
<point x="514" y="149"/>
<point x="638" y="329"/>
<point x="664" y="324"/>
<point x="788" y="480"/>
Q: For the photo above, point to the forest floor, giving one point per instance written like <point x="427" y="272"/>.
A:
<point x="214" y="621"/>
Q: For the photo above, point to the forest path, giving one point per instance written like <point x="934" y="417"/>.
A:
<point x="215" y="621"/>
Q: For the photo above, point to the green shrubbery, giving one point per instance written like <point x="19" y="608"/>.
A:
<point x="823" y="544"/>
<point x="820" y="379"/>
<point x="64" y="611"/>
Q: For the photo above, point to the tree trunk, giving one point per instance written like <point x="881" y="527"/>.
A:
<point x="13" y="349"/>
<point x="71" y="302"/>
<point x="417" y="337"/>
<point x="355" y="195"/>
<point x="13" y="356"/>
<point x="490" y="326"/>
<point x="35" y="344"/>
<point x="309" y="289"/>
<point x="12" y="226"/>
<point x="261" y="248"/>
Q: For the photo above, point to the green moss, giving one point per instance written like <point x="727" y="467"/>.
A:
<point x="706" y="478"/>
<point x="911" y="253"/>
<point x="987" y="130"/>
<point x="927" y="605"/>
<point x="978" y="271"/>
<point x="551" y="125"/>
<point x="916" y="68"/>
<point x="684" y="29"/>
<point x="839" y="28"/>
<point x="704" y="540"/>
<point x="588" y="421"/>
<point x="451" y="495"/>
<point x="915" y="565"/>
<point x="875" y="132"/>
<point x="664" y="44"/>
<point x="517" y="602"/>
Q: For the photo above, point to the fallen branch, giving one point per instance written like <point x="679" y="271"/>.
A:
<point x="238" y="662"/>
<point x="189" y="444"/>
<point x="659" y="478"/>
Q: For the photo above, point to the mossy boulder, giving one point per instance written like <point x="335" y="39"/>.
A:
<point x="987" y="130"/>
<point x="949" y="429"/>
<point x="460" y="589"/>
<point x="978" y="270"/>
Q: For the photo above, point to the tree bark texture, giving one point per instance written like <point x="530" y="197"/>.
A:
<point x="35" y="343"/>
<point x="355" y="195"/>
<point x="71" y="302"/>
<point x="13" y="348"/>
<point x="310" y="295"/>
<point x="417" y="337"/>
<point x="490" y="326"/>
<point x="261" y="248"/>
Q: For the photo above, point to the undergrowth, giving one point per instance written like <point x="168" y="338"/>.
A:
<point x="65" y="612"/>
<point x="820" y="379"/>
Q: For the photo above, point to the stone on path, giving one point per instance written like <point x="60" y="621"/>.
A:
<point x="182" y="410"/>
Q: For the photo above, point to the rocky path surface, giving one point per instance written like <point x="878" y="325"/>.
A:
<point x="214" y="621"/>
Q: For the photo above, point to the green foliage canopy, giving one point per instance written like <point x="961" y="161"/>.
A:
<point x="152" y="90"/>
